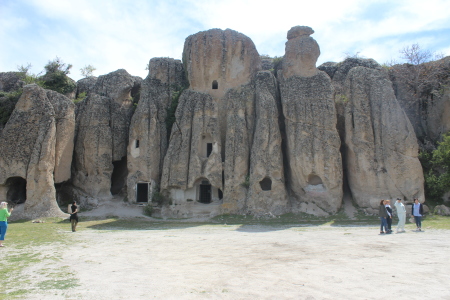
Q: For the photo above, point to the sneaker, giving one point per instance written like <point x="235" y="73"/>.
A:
<point x="381" y="232"/>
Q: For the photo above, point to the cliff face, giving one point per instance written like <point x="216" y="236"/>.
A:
<point x="380" y="164"/>
<point x="36" y="151"/>
<point x="215" y="134"/>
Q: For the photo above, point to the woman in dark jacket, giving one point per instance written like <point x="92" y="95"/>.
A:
<point x="383" y="216"/>
<point x="417" y="212"/>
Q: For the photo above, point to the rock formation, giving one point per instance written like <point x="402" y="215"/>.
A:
<point x="37" y="145"/>
<point x="267" y="191"/>
<point x="149" y="130"/>
<point x="103" y="120"/>
<point x="215" y="134"/>
<point x="423" y="93"/>
<point x="313" y="145"/>
<point x="381" y="147"/>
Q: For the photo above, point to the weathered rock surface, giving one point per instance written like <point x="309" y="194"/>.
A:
<point x="442" y="210"/>
<point x="86" y="85"/>
<point x="148" y="140"/>
<point x="239" y="133"/>
<point x="301" y="53"/>
<point x="36" y="145"/>
<point x="186" y="162"/>
<point x="267" y="192"/>
<point x="11" y="81"/>
<point x="425" y="101"/>
<point x="102" y="121"/>
<point x="381" y="147"/>
<point x="313" y="144"/>
<point x="225" y="57"/>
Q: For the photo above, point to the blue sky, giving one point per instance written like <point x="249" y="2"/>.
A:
<point x="115" y="34"/>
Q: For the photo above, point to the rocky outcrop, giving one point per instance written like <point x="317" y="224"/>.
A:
<point x="102" y="121"/>
<point x="149" y="130"/>
<point x="187" y="161"/>
<point x="86" y="85"/>
<point x="301" y="53"/>
<point x="423" y="93"/>
<point x="381" y="147"/>
<point x="36" y="148"/>
<point x="239" y="133"/>
<point x="11" y="81"/>
<point x="267" y="192"/>
<point x="313" y="145"/>
<point x="216" y="60"/>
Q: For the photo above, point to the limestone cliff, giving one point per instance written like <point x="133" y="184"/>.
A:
<point x="36" y="147"/>
<point x="102" y="122"/>
<point x="381" y="147"/>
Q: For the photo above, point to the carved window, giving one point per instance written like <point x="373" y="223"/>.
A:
<point x="136" y="144"/>
<point x="266" y="184"/>
<point x="215" y="85"/>
<point x="208" y="149"/>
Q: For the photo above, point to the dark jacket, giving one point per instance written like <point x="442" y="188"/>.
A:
<point x="382" y="211"/>
<point x="420" y="209"/>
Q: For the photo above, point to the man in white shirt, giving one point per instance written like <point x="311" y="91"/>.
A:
<point x="401" y="213"/>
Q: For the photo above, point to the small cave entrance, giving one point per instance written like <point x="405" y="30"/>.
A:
<point x="266" y="184"/>
<point x="215" y="85"/>
<point x="205" y="192"/>
<point x="314" y="179"/>
<point x="17" y="190"/>
<point x="142" y="192"/>
<point x="119" y="175"/>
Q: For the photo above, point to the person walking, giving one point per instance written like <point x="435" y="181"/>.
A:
<point x="387" y="204"/>
<point x="4" y="215"/>
<point x="401" y="213"/>
<point x="417" y="212"/>
<point x="73" y="211"/>
<point x="383" y="215"/>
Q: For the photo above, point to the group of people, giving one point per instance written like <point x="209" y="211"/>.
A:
<point x="5" y="214"/>
<point x="385" y="213"/>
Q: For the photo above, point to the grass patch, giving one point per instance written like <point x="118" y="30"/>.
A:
<point x="436" y="222"/>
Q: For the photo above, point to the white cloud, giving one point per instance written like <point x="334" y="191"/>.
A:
<point x="122" y="34"/>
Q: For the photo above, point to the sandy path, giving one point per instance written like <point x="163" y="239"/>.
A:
<point x="256" y="262"/>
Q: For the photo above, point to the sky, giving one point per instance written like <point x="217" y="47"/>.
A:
<point x="121" y="34"/>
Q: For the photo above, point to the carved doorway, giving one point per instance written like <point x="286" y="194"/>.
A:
<point x="142" y="192"/>
<point x="205" y="192"/>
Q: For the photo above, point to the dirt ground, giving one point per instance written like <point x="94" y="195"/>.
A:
<point x="257" y="262"/>
<point x="196" y="261"/>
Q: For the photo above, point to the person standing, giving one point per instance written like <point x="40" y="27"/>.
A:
<point x="389" y="218"/>
<point x="4" y="214"/>
<point x="73" y="211"/>
<point x="417" y="212"/>
<point x="383" y="215"/>
<point x="401" y="213"/>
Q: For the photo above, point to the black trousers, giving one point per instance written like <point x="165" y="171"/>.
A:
<point x="389" y="223"/>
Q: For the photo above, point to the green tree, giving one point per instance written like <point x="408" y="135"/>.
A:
<point x="87" y="71"/>
<point x="55" y="77"/>
<point x="436" y="166"/>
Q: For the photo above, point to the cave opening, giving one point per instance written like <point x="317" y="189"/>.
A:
<point x="119" y="176"/>
<point x="17" y="190"/>
<point x="266" y="184"/>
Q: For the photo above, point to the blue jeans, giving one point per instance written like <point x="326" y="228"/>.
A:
<point x="418" y="221"/>
<point x="383" y="224"/>
<point x="3" y="227"/>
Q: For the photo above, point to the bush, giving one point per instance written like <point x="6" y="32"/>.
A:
<point x="56" y="78"/>
<point x="148" y="209"/>
<point x="436" y="166"/>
